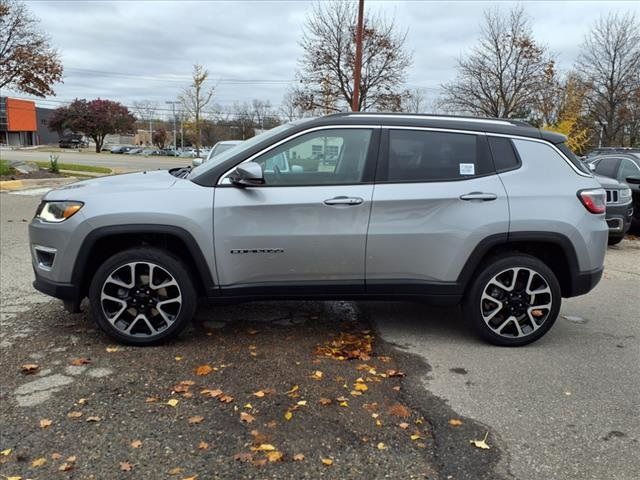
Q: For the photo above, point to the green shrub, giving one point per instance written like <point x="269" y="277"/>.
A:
<point x="5" y="169"/>
<point x="53" y="163"/>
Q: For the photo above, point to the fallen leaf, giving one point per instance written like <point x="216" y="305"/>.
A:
<point x="396" y="388"/>
<point x="112" y="349"/>
<point x="45" y="423"/>
<point x="481" y="443"/>
<point x="126" y="466"/>
<point x="416" y="436"/>
<point x="14" y="478"/>
<point x="30" y="368"/>
<point x="225" y="398"/>
<point x="93" y="419"/>
<point x="395" y="373"/>
<point x="195" y="419"/>
<point x="275" y="456"/>
<point x="151" y="400"/>
<point x="203" y="446"/>
<point x="246" y="417"/>
<point x="136" y="444"/>
<point x="80" y="361"/>
<point x="302" y="403"/>
<point x="360" y="387"/>
<point x="82" y="401"/>
<point x="65" y="467"/>
<point x="293" y="389"/>
<point x="72" y="459"/>
<point x="6" y="452"/>
<point x="404" y="425"/>
<point x="327" y="461"/>
<point x="192" y="477"/>
<point x="265" y="447"/>
<point x="399" y="410"/>
<point x="288" y="415"/>
<point x="259" y="462"/>
<point x="272" y="424"/>
<point x="56" y="456"/>
<point x="344" y="404"/>
<point x="177" y="358"/>
<point x="38" y="462"/>
<point x="298" y="457"/>
<point x="252" y="331"/>
<point x="454" y="422"/>
<point x="243" y="457"/>
<point x="324" y="401"/>
<point x="248" y="406"/>
<point x="203" y="370"/>
<point x="259" y="394"/>
<point x="382" y="446"/>
<point x="175" y="471"/>
<point x="172" y="402"/>
<point x="211" y="393"/>
<point x="317" y="375"/>
<point x="74" y="414"/>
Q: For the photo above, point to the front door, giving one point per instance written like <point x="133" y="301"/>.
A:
<point x="306" y="226"/>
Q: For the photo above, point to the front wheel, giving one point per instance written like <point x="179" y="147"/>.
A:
<point x="514" y="300"/>
<point x="142" y="296"/>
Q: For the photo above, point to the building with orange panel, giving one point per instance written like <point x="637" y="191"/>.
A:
<point x="18" y="122"/>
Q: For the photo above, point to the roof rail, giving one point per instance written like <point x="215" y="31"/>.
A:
<point x="426" y="116"/>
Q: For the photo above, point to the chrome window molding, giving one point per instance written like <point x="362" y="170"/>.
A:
<point x="225" y="181"/>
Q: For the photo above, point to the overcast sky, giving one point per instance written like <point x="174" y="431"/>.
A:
<point x="136" y="50"/>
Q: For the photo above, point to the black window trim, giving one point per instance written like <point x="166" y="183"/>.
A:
<point x="383" y="156"/>
<point x="369" y="167"/>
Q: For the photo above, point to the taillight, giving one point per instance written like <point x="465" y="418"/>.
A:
<point x="593" y="200"/>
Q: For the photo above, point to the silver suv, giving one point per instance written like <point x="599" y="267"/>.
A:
<point x="493" y="214"/>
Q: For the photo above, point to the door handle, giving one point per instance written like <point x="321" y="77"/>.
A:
<point x="486" y="197"/>
<point x="344" y="201"/>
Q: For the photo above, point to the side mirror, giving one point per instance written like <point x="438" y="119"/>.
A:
<point x="247" y="175"/>
<point x="592" y="167"/>
<point x="196" y="162"/>
<point x="633" y="180"/>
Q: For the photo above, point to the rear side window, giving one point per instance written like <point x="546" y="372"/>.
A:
<point x="504" y="155"/>
<point x="427" y="156"/>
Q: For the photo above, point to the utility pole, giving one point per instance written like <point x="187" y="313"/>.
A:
<point x="355" y="101"/>
<point x="173" y="107"/>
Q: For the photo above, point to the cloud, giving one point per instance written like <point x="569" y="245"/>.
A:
<point x="138" y="50"/>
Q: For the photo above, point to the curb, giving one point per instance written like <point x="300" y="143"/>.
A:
<point x="15" y="185"/>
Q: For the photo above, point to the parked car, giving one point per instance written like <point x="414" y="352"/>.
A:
<point x="170" y="152"/>
<point x="73" y="140"/>
<point x="607" y="150"/>
<point x="134" y="151"/>
<point x="619" y="211"/>
<point x="217" y="149"/>
<point x="121" y="149"/>
<point x="624" y="167"/>
<point x="149" y="151"/>
<point x="492" y="214"/>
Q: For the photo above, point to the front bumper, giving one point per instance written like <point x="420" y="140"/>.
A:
<point x="618" y="219"/>
<point x="67" y="292"/>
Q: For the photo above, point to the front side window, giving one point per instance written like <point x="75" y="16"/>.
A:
<point x="423" y="156"/>
<point x="607" y="167"/>
<point x="324" y="157"/>
<point x="628" y="169"/>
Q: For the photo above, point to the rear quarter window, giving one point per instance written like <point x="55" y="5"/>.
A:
<point x="504" y="154"/>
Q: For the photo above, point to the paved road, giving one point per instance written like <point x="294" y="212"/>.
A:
<point x="566" y="407"/>
<point x="119" y="162"/>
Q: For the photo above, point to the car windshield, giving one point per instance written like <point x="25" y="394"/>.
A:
<point x="234" y="150"/>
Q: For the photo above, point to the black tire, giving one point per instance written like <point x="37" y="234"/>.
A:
<point x="473" y="303"/>
<point x="615" y="240"/>
<point x="185" y="291"/>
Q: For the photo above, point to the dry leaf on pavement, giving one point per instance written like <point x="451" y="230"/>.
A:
<point x="172" y="402"/>
<point x="175" y="471"/>
<point x="327" y="461"/>
<point x="454" y="422"/>
<point x="246" y="417"/>
<point x="195" y="419"/>
<point x="74" y="414"/>
<point x="136" y="444"/>
<point x="298" y="457"/>
<point x="5" y="452"/>
<point x="382" y="446"/>
<point x="203" y="370"/>
<point x="38" y="462"/>
<point x="481" y="443"/>
<point x="29" y="368"/>
<point x="288" y="415"/>
<point x="404" y="425"/>
<point x="80" y="361"/>
<point x="93" y="419"/>
<point x="317" y="375"/>
<point x="265" y="447"/>
<point x="207" y="392"/>
<point x="126" y="466"/>
<point x="45" y="423"/>
<point x="275" y="456"/>
<point x="203" y="446"/>
<point x="324" y="401"/>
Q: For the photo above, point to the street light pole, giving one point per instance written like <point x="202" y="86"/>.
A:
<point x="602" y="125"/>
<point x="355" y="101"/>
<point x="173" y="107"/>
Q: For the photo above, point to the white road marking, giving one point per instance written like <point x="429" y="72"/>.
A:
<point x="32" y="192"/>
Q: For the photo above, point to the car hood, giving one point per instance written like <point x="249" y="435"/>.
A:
<point x="113" y="184"/>
<point x="607" y="182"/>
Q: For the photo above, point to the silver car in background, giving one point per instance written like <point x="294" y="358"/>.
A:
<point x="217" y="149"/>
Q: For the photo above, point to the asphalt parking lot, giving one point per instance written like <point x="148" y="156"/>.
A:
<point x="565" y="407"/>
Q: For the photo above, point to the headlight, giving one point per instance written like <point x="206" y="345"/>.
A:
<point x="57" y="212"/>
<point x="625" y="194"/>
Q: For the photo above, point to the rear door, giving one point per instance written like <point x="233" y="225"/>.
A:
<point x="436" y="197"/>
<point x="306" y="226"/>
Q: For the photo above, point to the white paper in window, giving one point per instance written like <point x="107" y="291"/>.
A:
<point x="467" y="169"/>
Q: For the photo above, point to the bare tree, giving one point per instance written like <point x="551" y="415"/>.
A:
<point x="146" y="111"/>
<point x="261" y="110"/>
<point x="326" y="68"/>
<point x="195" y="98"/>
<point x="609" y="64"/>
<point x="414" y="101"/>
<point x="503" y="73"/>
<point x="28" y="63"/>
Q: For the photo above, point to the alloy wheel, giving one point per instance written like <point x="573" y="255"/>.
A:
<point x="516" y="302"/>
<point x="141" y="299"/>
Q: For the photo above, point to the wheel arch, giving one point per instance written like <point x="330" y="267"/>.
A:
<point x="552" y="248"/>
<point x="104" y="242"/>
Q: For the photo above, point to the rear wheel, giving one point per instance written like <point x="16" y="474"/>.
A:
<point x="514" y="300"/>
<point x="615" y="240"/>
<point x="142" y="296"/>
